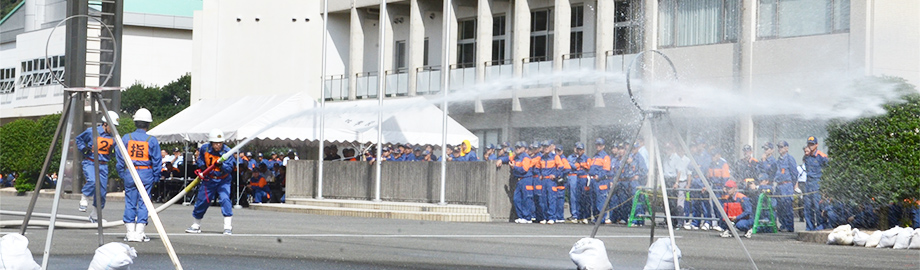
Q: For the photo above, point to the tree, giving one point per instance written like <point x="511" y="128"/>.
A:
<point x="163" y="102"/>
<point x="23" y="146"/>
<point x="876" y="159"/>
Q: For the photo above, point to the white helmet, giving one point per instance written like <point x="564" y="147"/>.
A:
<point x="216" y="136"/>
<point x="114" y="117"/>
<point x="143" y="115"/>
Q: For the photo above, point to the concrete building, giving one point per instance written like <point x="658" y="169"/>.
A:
<point x="156" y="49"/>
<point x="521" y="47"/>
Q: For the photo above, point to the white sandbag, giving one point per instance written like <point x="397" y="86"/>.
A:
<point x="860" y="238"/>
<point x="915" y="239"/>
<point x="833" y="238"/>
<point x="590" y="254"/>
<point x="902" y="241"/>
<point x="889" y="237"/>
<point x="15" y="254"/>
<point x="113" y="256"/>
<point x="874" y="238"/>
<point x="842" y="235"/>
<point x="660" y="256"/>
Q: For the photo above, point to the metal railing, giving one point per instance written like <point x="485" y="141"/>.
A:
<point x="576" y="62"/>
<point x="428" y="80"/>
<point x="498" y="70"/>
<point x="535" y="69"/>
<point x="397" y="83"/>
<point x="617" y="60"/>
<point x="366" y="85"/>
<point x="462" y="75"/>
<point x="336" y="87"/>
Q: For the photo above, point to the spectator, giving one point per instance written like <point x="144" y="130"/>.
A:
<point x="489" y="154"/>
<point x="349" y="154"/>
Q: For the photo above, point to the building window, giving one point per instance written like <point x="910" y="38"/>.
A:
<point x="425" y="54"/>
<point x="541" y="35"/>
<point x="793" y="18"/>
<point x="466" y="43"/>
<point x="627" y="26"/>
<point x="7" y="80"/>
<point x="399" y="60"/>
<point x="499" y="38"/>
<point x="577" y="39"/>
<point x="698" y="22"/>
<point x="35" y="72"/>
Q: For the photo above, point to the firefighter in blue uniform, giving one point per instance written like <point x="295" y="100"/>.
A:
<point x="637" y="176"/>
<point x="739" y="209"/>
<point x="718" y="174"/>
<point x="814" y="160"/>
<point x="598" y="171"/>
<point x="106" y="143"/>
<point x="216" y="183"/>
<point x="576" y="181"/>
<point x="564" y="168"/>
<point x="144" y="151"/>
<point x="523" y="191"/>
<point x="786" y="176"/>
<point x="767" y="165"/>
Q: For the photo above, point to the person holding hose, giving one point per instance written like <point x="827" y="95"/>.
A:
<point x="216" y="183"/>
<point x="144" y="151"/>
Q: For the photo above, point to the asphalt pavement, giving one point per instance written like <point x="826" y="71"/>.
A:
<point x="275" y="240"/>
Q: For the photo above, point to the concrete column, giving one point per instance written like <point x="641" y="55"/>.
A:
<point x="416" y="46"/>
<point x="355" y="52"/>
<point x="389" y="44"/>
<point x="650" y="42"/>
<point x="483" y="37"/>
<point x="454" y="32"/>
<point x="603" y="42"/>
<point x="483" y="44"/>
<point x="562" y="32"/>
<point x="520" y="40"/>
<point x="745" y="70"/>
<point x="860" y="36"/>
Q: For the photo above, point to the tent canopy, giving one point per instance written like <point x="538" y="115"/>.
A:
<point x="296" y="117"/>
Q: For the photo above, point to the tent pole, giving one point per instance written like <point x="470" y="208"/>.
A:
<point x="445" y="78"/>
<point x="322" y="106"/>
<point x="381" y="84"/>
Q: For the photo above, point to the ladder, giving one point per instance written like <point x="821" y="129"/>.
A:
<point x="765" y="205"/>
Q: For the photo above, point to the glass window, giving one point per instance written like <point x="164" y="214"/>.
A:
<point x="698" y="22"/>
<point x="425" y="54"/>
<point x="793" y="18"/>
<point x="541" y="35"/>
<point x="400" y="55"/>
<point x="627" y="27"/>
<point x="466" y="43"/>
<point x="576" y="39"/>
<point x="499" y="38"/>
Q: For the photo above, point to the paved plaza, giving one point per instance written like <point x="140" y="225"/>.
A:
<point x="275" y="240"/>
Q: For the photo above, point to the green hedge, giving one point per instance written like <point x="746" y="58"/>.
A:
<point x="23" y="146"/>
<point x="877" y="159"/>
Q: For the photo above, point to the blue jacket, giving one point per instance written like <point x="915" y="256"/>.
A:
<point x="768" y="167"/>
<point x="84" y="143"/>
<point x="578" y="164"/>
<point x="144" y="151"/>
<point x="521" y="168"/>
<point x="492" y="157"/>
<point x="638" y="168"/>
<point x="813" y="165"/>
<point x="471" y="156"/>
<point x="207" y="156"/>
<point x="599" y="165"/>
<point x="786" y="169"/>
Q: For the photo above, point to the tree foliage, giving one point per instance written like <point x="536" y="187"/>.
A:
<point x="877" y="159"/>
<point x="6" y="6"/>
<point x="23" y="146"/>
<point x="163" y="102"/>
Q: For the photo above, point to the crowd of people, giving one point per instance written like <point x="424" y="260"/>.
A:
<point x="545" y="175"/>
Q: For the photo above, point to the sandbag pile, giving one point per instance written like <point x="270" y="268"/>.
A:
<point x="896" y="238"/>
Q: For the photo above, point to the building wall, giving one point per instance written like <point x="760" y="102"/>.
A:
<point x="273" y="55"/>
<point x="155" y="56"/>
<point x="895" y="39"/>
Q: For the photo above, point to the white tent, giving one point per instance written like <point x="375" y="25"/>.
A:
<point x="295" y="117"/>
